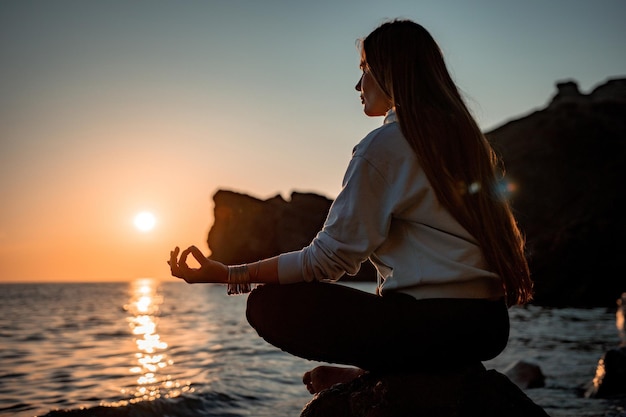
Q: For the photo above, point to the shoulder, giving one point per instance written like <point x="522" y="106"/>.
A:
<point x="384" y="144"/>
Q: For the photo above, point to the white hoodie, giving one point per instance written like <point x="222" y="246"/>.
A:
<point x="387" y="212"/>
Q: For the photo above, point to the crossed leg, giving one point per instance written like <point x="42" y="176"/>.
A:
<point x="341" y="325"/>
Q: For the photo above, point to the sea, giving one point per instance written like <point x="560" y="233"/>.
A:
<point x="166" y="348"/>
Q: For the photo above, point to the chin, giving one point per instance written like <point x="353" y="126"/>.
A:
<point x="373" y="113"/>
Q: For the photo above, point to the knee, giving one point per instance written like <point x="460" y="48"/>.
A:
<point x="270" y="304"/>
<point x="258" y="305"/>
<point x="253" y="305"/>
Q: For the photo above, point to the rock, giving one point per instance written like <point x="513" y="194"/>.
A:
<point x="470" y="393"/>
<point x="610" y="378"/>
<point x="247" y="229"/>
<point x="620" y="319"/>
<point x="565" y="164"/>
<point x="525" y="375"/>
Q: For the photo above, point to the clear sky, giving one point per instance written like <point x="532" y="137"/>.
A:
<point x="108" y="108"/>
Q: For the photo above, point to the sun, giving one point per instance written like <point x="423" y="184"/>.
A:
<point x="144" y="221"/>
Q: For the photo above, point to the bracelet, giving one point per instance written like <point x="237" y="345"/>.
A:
<point x="238" y="279"/>
<point x="257" y="268"/>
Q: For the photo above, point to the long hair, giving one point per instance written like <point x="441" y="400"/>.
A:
<point x="457" y="158"/>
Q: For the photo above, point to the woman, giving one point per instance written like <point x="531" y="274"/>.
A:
<point x="421" y="201"/>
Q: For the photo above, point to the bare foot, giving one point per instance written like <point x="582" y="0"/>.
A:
<point x="323" y="377"/>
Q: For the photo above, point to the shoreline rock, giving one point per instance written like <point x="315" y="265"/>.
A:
<point x="485" y="393"/>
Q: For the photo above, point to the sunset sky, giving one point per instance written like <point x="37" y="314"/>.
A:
<point x="110" y="108"/>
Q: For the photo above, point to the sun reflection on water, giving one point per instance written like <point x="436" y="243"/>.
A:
<point x="153" y="380"/>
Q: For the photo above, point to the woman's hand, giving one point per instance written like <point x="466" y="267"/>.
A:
<point x="208" y="271"/>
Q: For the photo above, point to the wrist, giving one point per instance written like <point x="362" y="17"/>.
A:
<point x="238" y="279"/>
<point x="223" y="274"/>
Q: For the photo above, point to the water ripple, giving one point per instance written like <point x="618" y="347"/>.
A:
<point x="151" y="349"/>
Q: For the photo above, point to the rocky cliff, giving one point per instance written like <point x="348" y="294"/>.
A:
<point x="566" y="167"/>
<point x="248" y="229"/>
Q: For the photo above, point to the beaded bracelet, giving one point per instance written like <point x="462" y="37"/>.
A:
<point x="238" y="279"/>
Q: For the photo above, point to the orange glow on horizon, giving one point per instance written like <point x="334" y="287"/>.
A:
<point x="100" y="244"/>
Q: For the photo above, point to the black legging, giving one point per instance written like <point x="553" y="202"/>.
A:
<point x="337" y="324"/>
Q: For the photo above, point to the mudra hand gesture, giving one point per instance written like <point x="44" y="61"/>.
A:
<point x="209" y="271"/>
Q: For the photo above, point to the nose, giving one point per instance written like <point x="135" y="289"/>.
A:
<point x="357" y="87"/>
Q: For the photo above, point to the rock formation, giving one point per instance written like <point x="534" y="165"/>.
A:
<point x="610" y="378"/>
<point x="463" y="394"/>
<point x="525" y="375"/>
<point x="567" y="166"/>
<point x="248" y="229"/>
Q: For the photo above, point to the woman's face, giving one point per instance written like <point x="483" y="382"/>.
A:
<point x="375" y="101"/>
